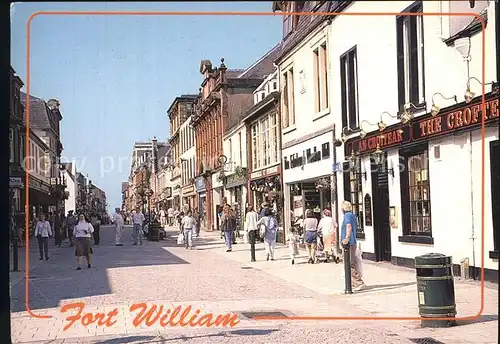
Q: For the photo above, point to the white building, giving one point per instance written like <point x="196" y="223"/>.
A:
<point x="235" y="169"/>
<point x="188" y="163"/>
<point x="306" y="108"/>
<point x="69" y="174"/>
<point x="416" y="176"/>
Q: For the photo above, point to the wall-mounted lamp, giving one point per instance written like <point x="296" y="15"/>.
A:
<point x="344" y="136"/>
<point x="435" y="108"/>
<point x="407" y="116"/>
<point x="469" y="95"/>
<point x="382" y="125"/>
<point x="362" y="133"/>
<point x="378" y="154"/>
<point x="463" y="45"/>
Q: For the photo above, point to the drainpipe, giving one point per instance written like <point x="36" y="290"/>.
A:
<point x="473" y="234"/>
<point x="335" y="209"/>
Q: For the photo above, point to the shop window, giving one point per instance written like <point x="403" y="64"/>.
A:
<point x="325" y="150"/>
<point x="415" y="193"/>
<point x="356" y="192"/>
<point x="349" y="89"/>
<point x="410" y="57"/>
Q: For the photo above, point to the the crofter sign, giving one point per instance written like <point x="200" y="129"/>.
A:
<point x="457" y="118"/>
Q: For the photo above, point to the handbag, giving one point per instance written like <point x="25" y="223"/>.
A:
<point x="180" y="239"/>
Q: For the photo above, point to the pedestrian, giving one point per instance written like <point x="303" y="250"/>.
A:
<point x="118" y="222"/>
<point x="228" y="225"/>
<point x="251" y="219"/>
<point x="175" y="219"/>
<point x="163" y="217"/>
<point x="310" y="225"/>
<point x="43" y="232"/>
<point x="348" y="235"/>
<point x="270" y="227"/>
<point x="328" y="228"/>
<point x="188" y="224"/>
<point x="233" y="215"/>
<point x="83" y="241"/>
<point x="170" y="214"/>
<point x="137" y="219"/>
<point x="69" y="224"/>
<point x="58" y="225"/>
<point x="197" y="218"/>
<point x="96" y="223"/>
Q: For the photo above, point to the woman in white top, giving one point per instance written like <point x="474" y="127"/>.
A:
<point x="310" y="225"/>
<point x="43" y="231"/>
<point x="251" y="220"/>
<point x="83" y="245"/>
<point x="327" y="226"/>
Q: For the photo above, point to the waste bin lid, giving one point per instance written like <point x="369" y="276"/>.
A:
<point x="432" y="258"/>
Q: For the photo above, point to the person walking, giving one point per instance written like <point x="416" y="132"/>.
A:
<point x="137" y="221"/>
<point x="163" y="217"/>
<point x="83" y="241"/>
<point x="328" y="226"/>
<point x="188" y="224"/>
<point x="228" y="225"/>
<point x="43" y="232"/>
<point x="96" y="223"/>
<point x="175" y="219"/>
<point x="197" y="218"/>
<point x="251" y="219"/>
<point x="268" y="222"/>
<point x="310" y="225"/>
<point x="119" y="223"/>
<point x="58" y="224"/>
<point x="69" y="225"/>
<point x="348" y="235"/>
<point x="170" y="215"/>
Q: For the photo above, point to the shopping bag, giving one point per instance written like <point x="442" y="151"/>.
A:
<point x="180" y="239"/>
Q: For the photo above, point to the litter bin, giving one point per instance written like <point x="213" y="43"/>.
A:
<point x="436" y="290"/>
<point x="154" y="231"/>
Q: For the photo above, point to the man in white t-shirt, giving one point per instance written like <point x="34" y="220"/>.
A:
<point x="119" y="223"/>
<point x="137" y="221"/>
<point x="170" y="214"/>
<point x="163" y="217"/>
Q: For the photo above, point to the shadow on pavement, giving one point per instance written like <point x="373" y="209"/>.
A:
<point x="57" y="279"/>
<point x="480" y="319"/>
<point x="385" y="286"/>
<point x="157" y="340"/>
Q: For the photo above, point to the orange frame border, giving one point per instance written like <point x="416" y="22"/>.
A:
<point x="222" y="13"/>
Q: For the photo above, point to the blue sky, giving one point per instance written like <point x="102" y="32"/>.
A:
<point x="115" y="76"/>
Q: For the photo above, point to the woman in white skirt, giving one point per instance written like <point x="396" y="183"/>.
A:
<point x="83" y="243"/>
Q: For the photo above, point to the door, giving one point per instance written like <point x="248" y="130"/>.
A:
<point x="381" y="224"/>
<point x="495" y="190"/>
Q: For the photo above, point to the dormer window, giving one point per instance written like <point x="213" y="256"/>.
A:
<point x="262" y="95"/>
<point x="288" y="20"/>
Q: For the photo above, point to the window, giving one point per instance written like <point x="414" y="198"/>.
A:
<point x="262" y="95"/>
<point x="265" y="148"/>
<point x="230" y="143"/>
<point x="349" y="89"/>
<point x="286" y="162"/>
<point x="415" y="194"/>
<point x="240" y="150"/>
<point x="410" y="50"/>
<point x="11" y="145"/>
<point x="289" y="20"/>
<point x="22" y="153"/>
<point x="356" y="191"/>
<point x="255" y="146"/>
<point x="325" y="150"/>
<point x="320" y="78"/>
<point x="275" y="86"/>
<point x="275" y="137"/>
<point x="288" y="99"/>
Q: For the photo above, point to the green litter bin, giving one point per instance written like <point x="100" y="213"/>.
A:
<point x="436" y="290"/>
<point x="154" y="231"/>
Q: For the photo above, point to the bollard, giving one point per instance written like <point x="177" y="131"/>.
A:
<point x="251" y="237"/>
<point x="347" y="268"/>
<point x="15" y="253"/>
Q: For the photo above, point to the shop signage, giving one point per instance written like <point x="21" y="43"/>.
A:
<point x="235" y="180"/>
<point x="452" y="120"/>
<point x="200" y="184"/>
<point x="15" y="182"/>
<point x="168" y="192"/>
<point x="188" y="189"/>
<point x="368" y="210"/>
<point x="38" y="185"/>
<point x="265" y="172"/>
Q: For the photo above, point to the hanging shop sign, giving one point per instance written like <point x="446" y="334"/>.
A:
<point x="200" y="184"/>
<point x="187" y="189"/>
<point x="15" y="182"/>
<point x="168" y="192"/>
<point x="265" y="172"/>
<point x="454" y="119"/>
<point x="235" y="180"/>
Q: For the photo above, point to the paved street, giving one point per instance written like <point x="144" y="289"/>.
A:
<point x="211" y="280"/>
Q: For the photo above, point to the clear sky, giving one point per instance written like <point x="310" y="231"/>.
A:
<point x="116" y="76"/>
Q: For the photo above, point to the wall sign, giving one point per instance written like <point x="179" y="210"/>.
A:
<point x="368" y="210"/>
<point x="200" y="184"/>
<point x="393" y="217"/>
<point x="454" y="119"/>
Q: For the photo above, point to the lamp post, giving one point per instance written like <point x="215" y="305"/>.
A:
<point x="58" y="192"/>
<point x="88" y="196"/>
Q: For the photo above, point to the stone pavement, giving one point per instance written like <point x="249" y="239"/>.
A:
<point x="209" y="279"/>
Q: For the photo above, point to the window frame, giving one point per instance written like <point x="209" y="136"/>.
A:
<point x="288" y="98"/>
<point x="405" y="155"/>
<point x="357" y="194"/>
<point x="410" y="54"/>
<point x="349" y="89"/>
<point x="11" y="145"/>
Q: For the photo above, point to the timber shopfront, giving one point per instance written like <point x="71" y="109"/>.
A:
<point x="188" y="196"/>
<point x="422" y="187"/>
<point x="201" y="190"/>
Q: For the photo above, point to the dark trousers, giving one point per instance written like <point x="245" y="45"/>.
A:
<point x="57" y="236"/>
<point x="251" y="237"/>
<point x="43" y="246"/>
<point x="97" y="235"/>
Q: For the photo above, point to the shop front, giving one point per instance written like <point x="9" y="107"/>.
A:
<point x="236" y="194"/>
<point x="218" y="199"/>
<point x="307" y="177"/>
<point x="16" y="197"/>
<point x="176" y="196"/>
<point x="423" y="184"/>
<point x="39" y="200"/>
<point x="188" y="196"/>
<point x="265" y="187"/>
<point x="201" y="190"/>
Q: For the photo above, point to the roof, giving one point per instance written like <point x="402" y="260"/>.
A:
<point x="263" y="66"/>
<point x="124" y="186"/>
<point x="183" y="98"/>
<point x="473" y="27"/>
<point x="39" y="115"/>
<point x="261" y="105"/>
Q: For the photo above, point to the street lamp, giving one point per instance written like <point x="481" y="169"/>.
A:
<point x="149" y="193"/>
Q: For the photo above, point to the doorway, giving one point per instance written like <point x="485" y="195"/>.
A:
<point x="495" y="191"/>
<point x="381" y="223"/>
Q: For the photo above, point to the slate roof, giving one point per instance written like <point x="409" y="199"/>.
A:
<point x="39" y="112"/>
<point x="263" y="66"/>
